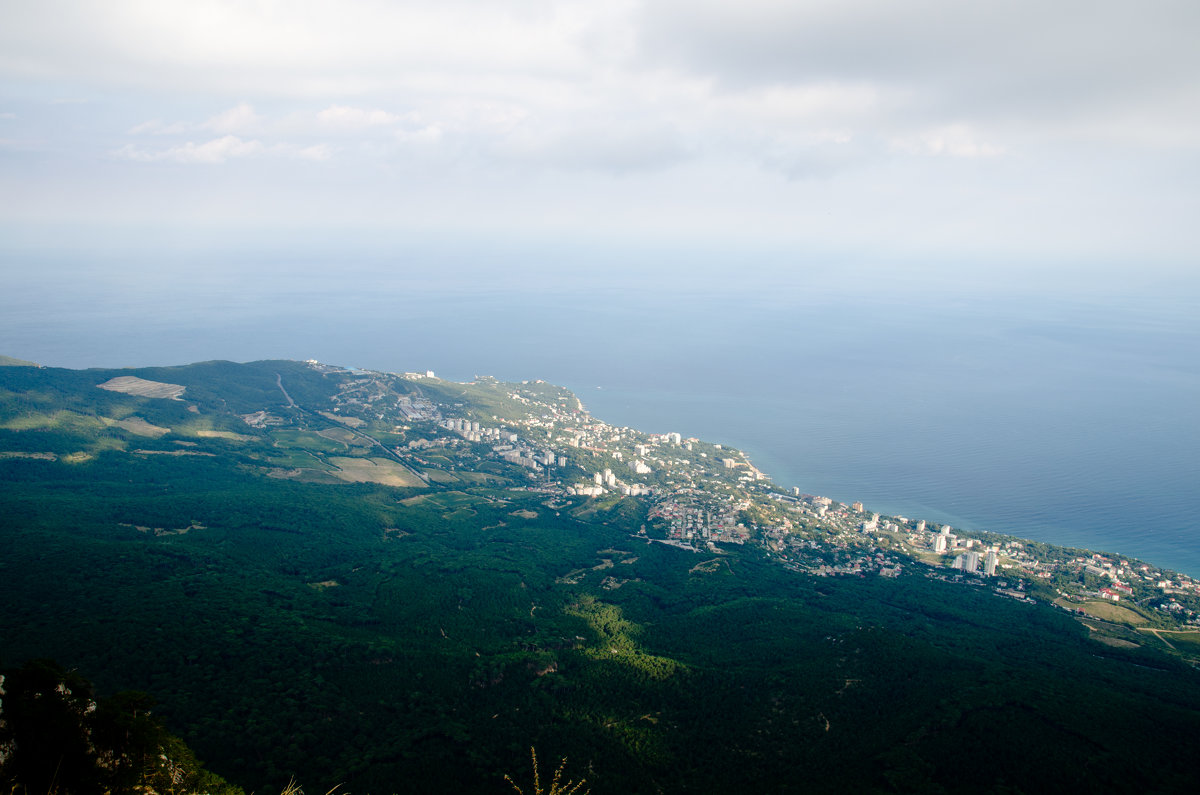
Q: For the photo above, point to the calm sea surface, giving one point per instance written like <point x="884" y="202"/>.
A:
<point x="1066" y="420"/>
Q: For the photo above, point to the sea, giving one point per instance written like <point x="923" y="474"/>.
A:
<point x="1065" y="415"/>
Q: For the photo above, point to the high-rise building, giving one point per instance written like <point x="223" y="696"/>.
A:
<point x="989" y="565"/>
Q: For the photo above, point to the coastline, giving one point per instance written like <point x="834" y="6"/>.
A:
<point x="650" y="411"/>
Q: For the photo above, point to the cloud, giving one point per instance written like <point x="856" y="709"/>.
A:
<point x="239" y="119"/>
<point x="427" y="134"/>
<point x="1058" y="66"/>
<point x="348" y="117"/>
<point x="819" y="160"/>
<point x="221" y="150"/>
<point x="317" y="49"/>
<point x="313" y="152"/>
<point x="954" y="140"/>
<point x="611" y="149"/>
<point x="158" y="127"/>
<point x="217" y="150"/>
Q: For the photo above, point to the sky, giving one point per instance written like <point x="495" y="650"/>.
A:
<point x="926" y="139"/>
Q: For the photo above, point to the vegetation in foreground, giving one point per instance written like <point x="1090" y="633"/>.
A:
<point x="57" y="736"/>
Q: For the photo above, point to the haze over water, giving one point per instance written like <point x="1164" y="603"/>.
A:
<point x="1067" y="419"/>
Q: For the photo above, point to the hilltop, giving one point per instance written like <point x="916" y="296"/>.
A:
<point x="401" y="582"/>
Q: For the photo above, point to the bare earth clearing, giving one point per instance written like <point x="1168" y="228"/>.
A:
<point x="165" y="531"/>
<point x="132" y="385"/>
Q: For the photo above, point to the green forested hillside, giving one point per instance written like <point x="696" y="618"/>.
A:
<point x="293" y="621"/>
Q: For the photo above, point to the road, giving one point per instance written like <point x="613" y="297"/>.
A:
<point x="279" y="383"/>
<point x="384" y="448"/>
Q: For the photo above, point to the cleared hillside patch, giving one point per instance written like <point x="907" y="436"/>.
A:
<point x="373" y="470"/>
<point x="230" y="435"/>
<point x="140" y="387"/>
<point x="1111" y="612"/>
<point x="353" y="422"/>
<point x="137" y="426"/>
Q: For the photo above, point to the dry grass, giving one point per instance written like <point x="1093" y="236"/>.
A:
<point x="340" y="435"/>
<point x="557" y="785"/>
<point x="235" y="437"/>
<point x="137" y="426"/>
<point x="1108" y="611"/>
<point x="353" y="422"/>
<point x="174" y="452"/>
<point x="440" y="476"/>
<point x="1119" y="643"/>
<point x="480" y="477"/>
<point x="294" y="788"/>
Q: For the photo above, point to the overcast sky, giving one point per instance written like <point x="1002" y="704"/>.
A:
<point x="1017" y="134"/>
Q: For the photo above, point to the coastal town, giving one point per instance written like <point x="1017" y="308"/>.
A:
<point x="703" y="497"/>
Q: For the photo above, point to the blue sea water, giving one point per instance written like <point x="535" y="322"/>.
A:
<point x="1056" y="417"/>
